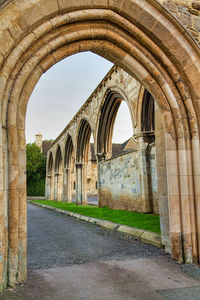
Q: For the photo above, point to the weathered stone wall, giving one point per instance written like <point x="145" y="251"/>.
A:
<point x="187" y="13"/>
<point x="119" y="185"/>
<point x="154" y="183"/>
<point x="91" y="178"/>
<point x="124" y="182"/>
<point x="117" y="80"/>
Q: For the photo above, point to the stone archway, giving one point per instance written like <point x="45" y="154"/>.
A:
<point x="58" y="182"/>
<point x="144" y="39"/>
<point x="82" y="151"/>
<point x="105" y="122"/>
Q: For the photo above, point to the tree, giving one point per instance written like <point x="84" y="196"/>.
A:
<point x="36" y="170"/>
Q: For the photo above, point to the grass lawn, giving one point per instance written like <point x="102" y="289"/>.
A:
<point x="139" y="220"/>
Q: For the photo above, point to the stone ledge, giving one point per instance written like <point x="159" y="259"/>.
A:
<point x="130" y="230"/>
<point x="147" y="237"/>
<point x="151" y="238"/>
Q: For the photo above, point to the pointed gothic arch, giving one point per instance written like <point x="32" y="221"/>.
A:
<point x="58" y="187"/>
<point x="150" y="44"/>
<point x="83" y="139"/>
<point x="106" y="120"/>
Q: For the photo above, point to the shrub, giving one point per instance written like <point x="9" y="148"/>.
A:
<point x="36" y="170"/>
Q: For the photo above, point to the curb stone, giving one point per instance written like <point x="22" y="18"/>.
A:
<point x="144" y="236"/>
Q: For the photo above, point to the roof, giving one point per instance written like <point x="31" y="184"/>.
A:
<point x="117" y="149"/>
<point x="46" y="145"/>
<point x="130" y="145"/>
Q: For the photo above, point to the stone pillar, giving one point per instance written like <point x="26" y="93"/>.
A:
<point x="60" y="187"/>
<point x="22" y="213"/>
<point x="142" y="163"/>
<point x="48" y="187"/>
<point x="81" y="184"/>
<point x="67" y="188"/>
<point x="65" y="185"/>
<point x="100" y="158"/>
<point x="84" y="183"/>
<point x="56" y="186"/>
<point x="162" y="180"/>
<point x="52" y="187"/>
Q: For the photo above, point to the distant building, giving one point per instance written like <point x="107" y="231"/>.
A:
<point x="119" y="149"/>
<point x="43" y="145"/>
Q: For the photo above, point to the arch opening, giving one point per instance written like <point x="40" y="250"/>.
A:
<point x="108" y="115"/>
<point x="171" y="76"/>
<point x="83" y="162"/>
<point x="58" y="188"/>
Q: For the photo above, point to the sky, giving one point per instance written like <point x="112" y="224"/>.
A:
<point x="62" y="90"/>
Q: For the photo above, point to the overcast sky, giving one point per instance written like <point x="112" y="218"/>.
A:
<point x="62" y="90"/>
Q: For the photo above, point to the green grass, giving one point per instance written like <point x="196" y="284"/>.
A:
<point x="139" y="220"/>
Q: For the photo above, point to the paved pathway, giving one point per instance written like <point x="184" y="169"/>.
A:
<point x="71" y="259"/>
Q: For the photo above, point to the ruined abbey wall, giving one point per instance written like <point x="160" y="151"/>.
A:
<point x="120" y="183"/>
<point x="125" y="182"/>
<point x="188" y="14"/>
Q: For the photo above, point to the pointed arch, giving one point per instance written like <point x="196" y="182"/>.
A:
<point x="58" y="160"/>
<point x="83" y="139"/>
<point x="68" y="152"/>
<point x="150" y="44"/>
<point x="148" y="111"/>
<point x="108" y="113"/>
<point x="50" y="163"/>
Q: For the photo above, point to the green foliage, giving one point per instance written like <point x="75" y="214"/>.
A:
<point x="36" y="170"/>
<point x="148" y="222"/>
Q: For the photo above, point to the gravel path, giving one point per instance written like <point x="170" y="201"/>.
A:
<point x="56" y="240"/>
<point x="75" y="260"/>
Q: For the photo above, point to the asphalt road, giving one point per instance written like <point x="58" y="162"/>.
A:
<point x="56" y="240"/>
<point x="71" y="259"/>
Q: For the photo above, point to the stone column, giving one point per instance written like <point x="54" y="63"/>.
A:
<point x="65" y="185"/>
<point x="100" y="158"/>
<point x="162" y="180"/>
<point x="81" y="184"/>
<point x="56" y="186"/>
<point x="84" y="183"/>
<point x="48" y="187"/>
<point x="67" y="189"/>
<point x="52" y="187"/>
<point x="142" y="163"/>
<point x="60" y="186"/>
